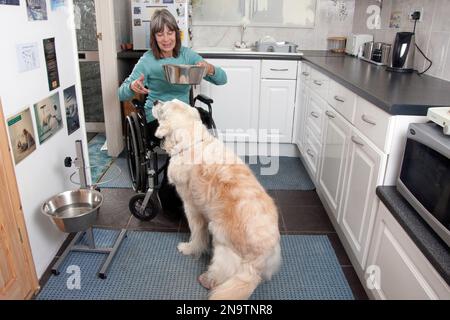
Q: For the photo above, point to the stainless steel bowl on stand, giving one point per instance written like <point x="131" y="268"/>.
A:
<point x="76" y="211"/>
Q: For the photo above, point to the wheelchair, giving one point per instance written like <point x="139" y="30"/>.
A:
<point x="147" y="162"/>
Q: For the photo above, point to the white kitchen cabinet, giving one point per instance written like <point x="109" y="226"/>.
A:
<point x="396" y="268"/>
<point x="236" y="104"/>
<point x="334" y="158"/>
<point x="276" y="111"/>
<point x="364" y="172"/>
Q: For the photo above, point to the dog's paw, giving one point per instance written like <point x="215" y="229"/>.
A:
<point x="186" y="248"/>
<point x="206" y="280"/>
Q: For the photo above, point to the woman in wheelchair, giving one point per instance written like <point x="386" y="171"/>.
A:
<point x="147" y="78"/>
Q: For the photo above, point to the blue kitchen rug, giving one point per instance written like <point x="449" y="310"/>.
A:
<point x="148" y="266"/>
<point x="99" y="161"/>
<point x="281" y="173"/>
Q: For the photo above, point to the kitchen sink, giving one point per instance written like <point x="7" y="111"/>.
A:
<point x="272" y="46"/>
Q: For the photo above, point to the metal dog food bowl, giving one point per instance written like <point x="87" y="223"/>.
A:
<point x="73" y="211"/>
<point x="184" y="74"/>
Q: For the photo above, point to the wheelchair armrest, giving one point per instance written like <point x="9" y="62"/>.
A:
<point x="205" y="99"/>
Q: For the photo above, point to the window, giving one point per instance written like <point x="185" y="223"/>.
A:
<point x="260" y="13"/>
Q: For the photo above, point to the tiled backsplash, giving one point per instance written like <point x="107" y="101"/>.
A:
<point x="333" y="18"/>
<point x="432" y="34"/>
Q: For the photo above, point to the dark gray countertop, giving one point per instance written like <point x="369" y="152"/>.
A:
<point x="421" y="234"/>
<point x="395" y="93"/>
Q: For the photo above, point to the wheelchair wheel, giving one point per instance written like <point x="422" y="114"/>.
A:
<point x="133" y="153"/>
<point x="151" y="210"/>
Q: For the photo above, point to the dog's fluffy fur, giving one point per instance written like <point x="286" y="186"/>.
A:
<point x="220" y="195"/>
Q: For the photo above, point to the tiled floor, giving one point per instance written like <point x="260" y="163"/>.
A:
<point x="301" y="212"/>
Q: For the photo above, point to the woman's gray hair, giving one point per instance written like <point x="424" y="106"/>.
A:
<point x="161" y="18"/>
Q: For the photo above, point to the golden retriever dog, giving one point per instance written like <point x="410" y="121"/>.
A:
<point x="223" y="198"/>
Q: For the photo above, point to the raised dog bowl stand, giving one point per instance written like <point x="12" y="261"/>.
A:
<point x="76" y="211"/>
<point x="92" y="249"/>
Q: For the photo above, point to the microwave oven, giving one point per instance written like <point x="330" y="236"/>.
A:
<point x="424" y="179"/>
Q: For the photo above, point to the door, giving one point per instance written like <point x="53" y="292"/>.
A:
<point x="359" y="200"/>
<point x="17" y="274"/>
<point x="277" y="109"/>
<point x="88" y="55"/>
<point x="236" y="104"/>
<point x="334" y="158"/>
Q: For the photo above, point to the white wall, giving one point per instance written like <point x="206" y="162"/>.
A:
<point x="42" y="174"/>
<point x="333" y="18"/>
<point x="432" y="34"/>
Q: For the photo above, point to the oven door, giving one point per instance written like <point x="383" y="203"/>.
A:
<point x="424" y="178"/>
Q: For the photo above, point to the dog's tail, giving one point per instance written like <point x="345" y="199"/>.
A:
<point x="239" y="287"/>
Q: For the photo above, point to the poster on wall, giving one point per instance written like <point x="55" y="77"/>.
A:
<point x="21" y="134"/>
<point x="55" y="4"/>
<point x="36" y="9"/>
<point x="48" y="117"/>
<point x="10" y="2"/>
<point x="27" y="56"/>
<point x="71" y="105"/>
<point x="52" y="63"/>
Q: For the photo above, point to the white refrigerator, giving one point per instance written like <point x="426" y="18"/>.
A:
<point x="142" y="11"/>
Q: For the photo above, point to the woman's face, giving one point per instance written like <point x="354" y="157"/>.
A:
<point x="166" y="40"/>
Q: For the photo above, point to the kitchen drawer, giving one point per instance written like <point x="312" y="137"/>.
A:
<point x="319" y="83"/>
<point x="372" y="122"/>
<point x="305" y="73"/>
<point x="315" y="114"/>
<point x="311" y="152"/>
<point x="279" y="69"/>
<point x="342" y="100"/>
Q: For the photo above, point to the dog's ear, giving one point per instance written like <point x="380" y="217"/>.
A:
<point x="158" y="111"/>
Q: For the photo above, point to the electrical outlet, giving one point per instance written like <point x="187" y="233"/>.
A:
<point x="412" y="12"/>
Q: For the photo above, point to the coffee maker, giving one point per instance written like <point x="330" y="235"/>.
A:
<point x="402" y="53"/>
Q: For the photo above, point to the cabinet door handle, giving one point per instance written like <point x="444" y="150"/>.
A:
<point x="310" y="153"/>
<point x="319" y="83"/>
<point x="356" y="140"/>
<point x="330" y="114"/>
<point x="272" y="69"/>
<point x="337" y="98"/>
<point x="315" y="115"/>
<point x="306" y="74"/>
<point x="365" y="119"/>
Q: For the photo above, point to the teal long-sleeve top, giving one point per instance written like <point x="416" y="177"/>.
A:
<point x="156" y="82"/>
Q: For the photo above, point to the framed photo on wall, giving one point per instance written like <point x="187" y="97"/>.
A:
<point x="71" y="105"/>
<point x="21" y="134"/>
<point x="48" y="117"/>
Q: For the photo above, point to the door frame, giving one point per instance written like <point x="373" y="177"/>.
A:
<point x="17" y="214"/>
<point x="107" y="47"/>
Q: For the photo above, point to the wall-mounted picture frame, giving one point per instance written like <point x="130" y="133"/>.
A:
<point x="71" y="106"/>
<point x="36" y="10"/>
<point x="21" y="135"/>
<point x="48" y="117"/>
<point x="10" y="2"/>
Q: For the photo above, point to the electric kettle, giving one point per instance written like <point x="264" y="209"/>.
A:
<point x="402" y="53"/>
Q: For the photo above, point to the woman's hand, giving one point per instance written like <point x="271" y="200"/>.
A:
<point x="137" y="86"/>
<point x="209" y="67"/>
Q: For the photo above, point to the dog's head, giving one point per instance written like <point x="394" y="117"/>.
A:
<point x="177" y="122"/>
